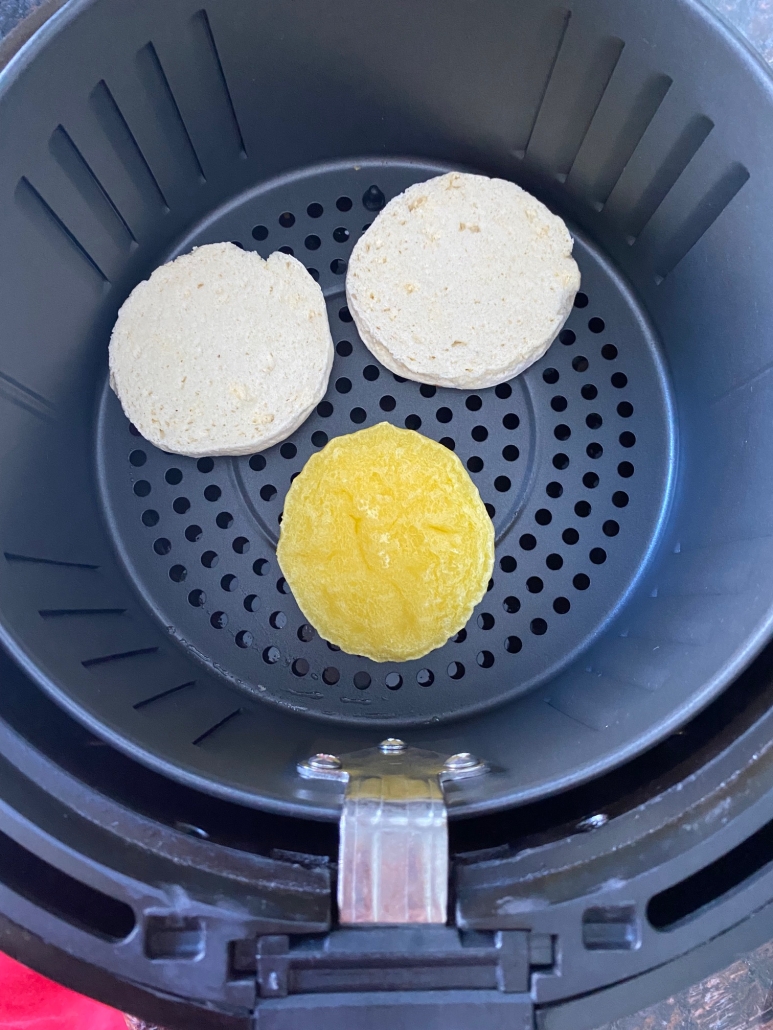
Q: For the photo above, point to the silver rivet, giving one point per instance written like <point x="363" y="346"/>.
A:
<point x="322" y="761"/>
<point x="462" y="762"/>
<point x="593" y="822"/>
<point x="392" y="746"/>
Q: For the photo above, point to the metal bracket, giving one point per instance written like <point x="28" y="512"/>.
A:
<point x="393" y="852"/>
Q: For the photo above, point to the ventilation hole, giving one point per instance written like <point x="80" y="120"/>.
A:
<point x="550" y="375"/>
<point x="338" y="266"/>
<point x="178" y="573"/>
<point x="324" y="409"/>
<point x="625" y="409"/>
<point x="473" y="402"/>
<point x="581" y="581"/>
<point x="513" y="645"/>
<point x="218" y="620"/>
<point x="193" y="533"/>
<point x="562" y="432"/>
<point x="561" y="605"/>
<point x="502" y="484"/>
<point x="371" y="373"/>
<point x="138" y="458"/>
<point x="251" y="602"/>
<point x="229" y="583"/>
<point x="399" y="379"/>
<point x="461" y="636"/>
<point x="393" y="680"/>
<point x="511" y="421"/>
<point x="305" y="633"/>
<point x="558" y="403"/>
<point x="373" y="199"/>
<point x="581" y="300"/>
<point x="162" y="546"/>
<point x="181" y="505"/>
<point x="341" y="234"/>
<point x="503" y="391"/>
<point x="543" y="517"/>
<point x="490" y="509"/>
<point x="567" y="337"/>
<point x="332" y="647"/>
<point x="582" y="509"/>
<point x="589" y="392"/>
<point x="150" y="517"/>
<point x="534" y="585"/>
<point x="590" y="480"/>
<point x="287" y="219"/>
<point x="268" y="492"/>
<point x="212" y="492"/>
<point x="278" y="620"/>
<point x="366" y="226"/>
<point x="142" y="488"/>
<point x="287" y="250"/>
<point x="485" y="659"/>
<point x="344" y="204"/>
<point x="300" y="667"/>
<point x="538" y="627"/>
<point x="133" y="430"/>
<point x="570" y="536"/>
<point x="281" y="585"/>
<point x="618" y="380"/>
<point x="479" y="433"/>
<point x="444" y="415"/>
<point x="413" y="422"/>
<point x="257" y="463"/>
<point x="528" y="542"/>
<point x="244" y="638"/>
<point x="507" y="563"/>
<point x="197" y="598"/>
<point x="625" y="469"/>
<point x="312" y="242"/>
<point x="319" y="438"/>
<point x="345" y="314"/>
<point x="560" y="461"/>
<point x="427" y="390"/>
<point x="554" y="490"/>
<point x="598" y="555"/>
<point x="387" y="403"/>
<point x="224" y="520"/>
<point x="241" y="545"/>
<point x="455" y="671"/>
<point x="511" y="605"/>
<point x="259" y="232"/>
<point x="343" y="385"/>
<point x="361" y="680"/>
<point x="594" y="421"/>
<point x="331" y="675"/>
<point x="358" y="415"/>
<point x="448" y="442"/>
<point x="425" y="677"/>
<point x="620" y="498"/>
<point x="554" y="562"/>
<point x="627" y="439"/>
<point x="594" y="450"/>
<point x="486" y="621"/>
<point x="597" y="325"/>
<point x="260" y="567"/>
<point x="611" y="528"/>
<point x="288" y="450"/>
<point x="209" y="559"/>
<point x="271" y="655"/>
<point x="511" y="453"/>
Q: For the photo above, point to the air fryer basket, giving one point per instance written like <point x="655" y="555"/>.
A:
<point x="142" y="591"/>
<point x="627" y="474"/>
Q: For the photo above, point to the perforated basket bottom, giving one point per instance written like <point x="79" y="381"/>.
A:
<point x="573" y="460"/>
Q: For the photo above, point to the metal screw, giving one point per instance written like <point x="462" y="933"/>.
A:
<point x="593" y="822"/>
<point x="322" y="762"/>
<point x="392" y="746"/>
<point x="462" y="762"/>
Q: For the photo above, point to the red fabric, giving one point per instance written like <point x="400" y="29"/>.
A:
<point x="30" y="1002"/>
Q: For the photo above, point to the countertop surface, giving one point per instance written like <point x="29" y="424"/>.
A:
<point x="741" y="996"/>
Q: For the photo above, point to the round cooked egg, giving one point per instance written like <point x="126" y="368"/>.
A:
<point x="386" y="544"/>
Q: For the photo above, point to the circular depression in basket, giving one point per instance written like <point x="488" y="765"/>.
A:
<point x="573" y="460"/>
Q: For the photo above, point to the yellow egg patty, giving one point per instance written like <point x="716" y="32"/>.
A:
<point x="385" y="543"/>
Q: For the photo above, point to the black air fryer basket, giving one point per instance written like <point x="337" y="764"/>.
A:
<point x="158" y="848"/>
